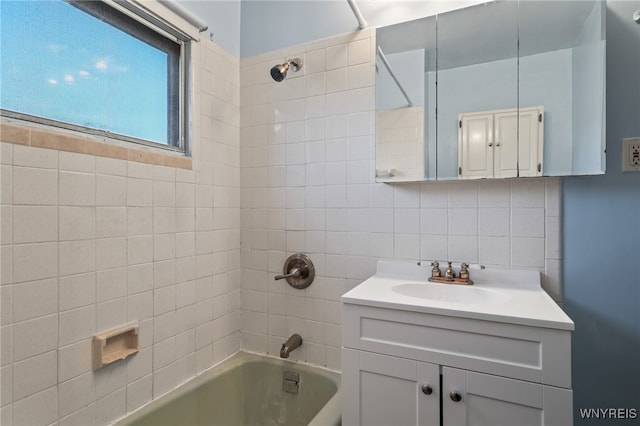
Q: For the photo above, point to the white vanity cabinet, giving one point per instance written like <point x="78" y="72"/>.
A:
<point x="431" y="364"/>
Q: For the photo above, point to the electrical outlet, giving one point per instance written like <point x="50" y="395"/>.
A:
<point x="631" y="155"/>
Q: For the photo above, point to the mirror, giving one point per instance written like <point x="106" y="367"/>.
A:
<point x="405" y="101"/>
<point x="518" y="87"/>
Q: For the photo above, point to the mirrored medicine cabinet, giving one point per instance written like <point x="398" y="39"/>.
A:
<point x="497" y="90"/>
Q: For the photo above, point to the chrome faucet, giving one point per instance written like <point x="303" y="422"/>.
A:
<point x="292" y="343"/>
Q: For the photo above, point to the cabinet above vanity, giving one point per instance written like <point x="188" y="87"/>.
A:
<point x="497" y="56"/>
<point x="495" y="352"/>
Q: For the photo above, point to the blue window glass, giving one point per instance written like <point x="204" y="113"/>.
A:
<point x="89" y="65"/>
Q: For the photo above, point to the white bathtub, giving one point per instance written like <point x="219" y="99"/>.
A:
<point x="248" y="389"/>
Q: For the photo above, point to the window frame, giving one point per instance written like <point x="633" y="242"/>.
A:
<point x="124" y="12"/>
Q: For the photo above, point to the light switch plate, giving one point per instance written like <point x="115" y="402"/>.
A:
<point x="631" y="155"/>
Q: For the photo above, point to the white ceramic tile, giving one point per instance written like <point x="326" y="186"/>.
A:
<point x="358" y="148"/>
<point x="336" y="103"/>
<point x="139" y="249"/>
<point x="35" y="186"/>
<point x="111" y="407"/>
<point x="358" y="124"/>
<point x="139" y="192"/>
<point x="77" y="324"/>
<point x="553" y="237"/>
<point x="77" y="290"/>
<point x="358" y="196"/>
<point x="358" y="172"/>
<point x="77" y="189"/>
<point x="434" y="221"/>
<point x="359" y="76"/>
<point x="35" y="299"/>
<point x="336" y="57"/>
<point x="34" y="224"/>
<point x="463" y="222"/>
<point x="28" y="156"/>
<point x="382" y="220"/>
<point x="315" y="151"/>
<point x="139" y="392"/>
<point x="76" y="393"/>
<point x="77" y="223"/>
<point x="528" y="193"/>
<point x="494" y="194"/>
<point x="360" y="100"/>
<point x="140" y="306"/>
<point x="139" y="278"/>
<point x="527" y="252"/>
<point x="140" y="220"/>
<point x="407" y="246"/>
<point x="359" y="52"/>
<point x="111" y="222"/>
<point x="34" y="261"/>
<point x="407" y="221"/>
<point x="40" y="408"/>
<point x="434" y="247"/>
<point x="111" y="284"/>
<point x="34" y="337"/>
<point x="527" y="222"/>
<point x="315" y="61"/>
<point x="493" y="251"/>
<point x="111" y="190"/>
<point x="74" y="360"/>
<point x="76" y="257"/>
<point x="494" y="222"/>
<point x="463" y="194"/>
<point x="164" y="194"/>
<point x="463" y="249"/>
<point x="34" y="375"/>
<point x="315" y="84"/>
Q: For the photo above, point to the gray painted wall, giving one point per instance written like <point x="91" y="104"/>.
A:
<point x="602" y="241"/>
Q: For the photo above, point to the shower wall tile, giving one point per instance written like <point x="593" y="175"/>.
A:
<point x="89" y="243"/>
<point x="307" y="185"/>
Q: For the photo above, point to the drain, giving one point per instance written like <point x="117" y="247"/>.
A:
<point x="291" y="382"/>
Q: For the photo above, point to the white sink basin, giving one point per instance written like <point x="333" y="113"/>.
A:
<point x="450" y="293"/>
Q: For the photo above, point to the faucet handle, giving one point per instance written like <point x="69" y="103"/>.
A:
<point x="464" y="271"/>
<point x="435" y="270"/>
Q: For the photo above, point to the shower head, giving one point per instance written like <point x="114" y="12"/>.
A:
<point x="279" y="72"/>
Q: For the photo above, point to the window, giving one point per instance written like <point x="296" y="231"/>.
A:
<point x="86" y="66"/>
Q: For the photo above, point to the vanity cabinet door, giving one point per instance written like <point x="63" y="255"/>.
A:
<point x="471" y="398"/>
<point x="384" y="390"/>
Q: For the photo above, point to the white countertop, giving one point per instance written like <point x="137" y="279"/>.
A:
<point x="523" y="301"/>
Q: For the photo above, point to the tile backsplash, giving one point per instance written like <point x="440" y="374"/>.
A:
<point x="307" y="160"/>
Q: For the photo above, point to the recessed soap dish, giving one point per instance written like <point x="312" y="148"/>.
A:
<point x="115" y="344"/>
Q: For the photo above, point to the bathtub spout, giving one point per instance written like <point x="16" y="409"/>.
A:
<point x="293" y="342"/>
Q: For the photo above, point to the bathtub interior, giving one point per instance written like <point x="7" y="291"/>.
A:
<point x="247" y="390"/>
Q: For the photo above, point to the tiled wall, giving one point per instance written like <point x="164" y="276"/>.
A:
<point x="400" y="143"/>
<point x="307" y="157"/>
<point x="90" y="242"/>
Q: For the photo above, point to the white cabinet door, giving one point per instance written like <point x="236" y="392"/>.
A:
<point x="492" y="401"/>
<point x="475" y="146"/>
<point x="501" y="143"/>
<point x="506" y="144"/>
<point x="530" y="146"/>
<point x="384" y="390"/>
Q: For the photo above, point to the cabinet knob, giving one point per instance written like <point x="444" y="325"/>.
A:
<point x="490" y="144"/>
<point x="427" y="389"/>
<point x="455" y="396"/>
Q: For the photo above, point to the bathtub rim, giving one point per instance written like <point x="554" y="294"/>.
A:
<point x="329" y="414"/>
